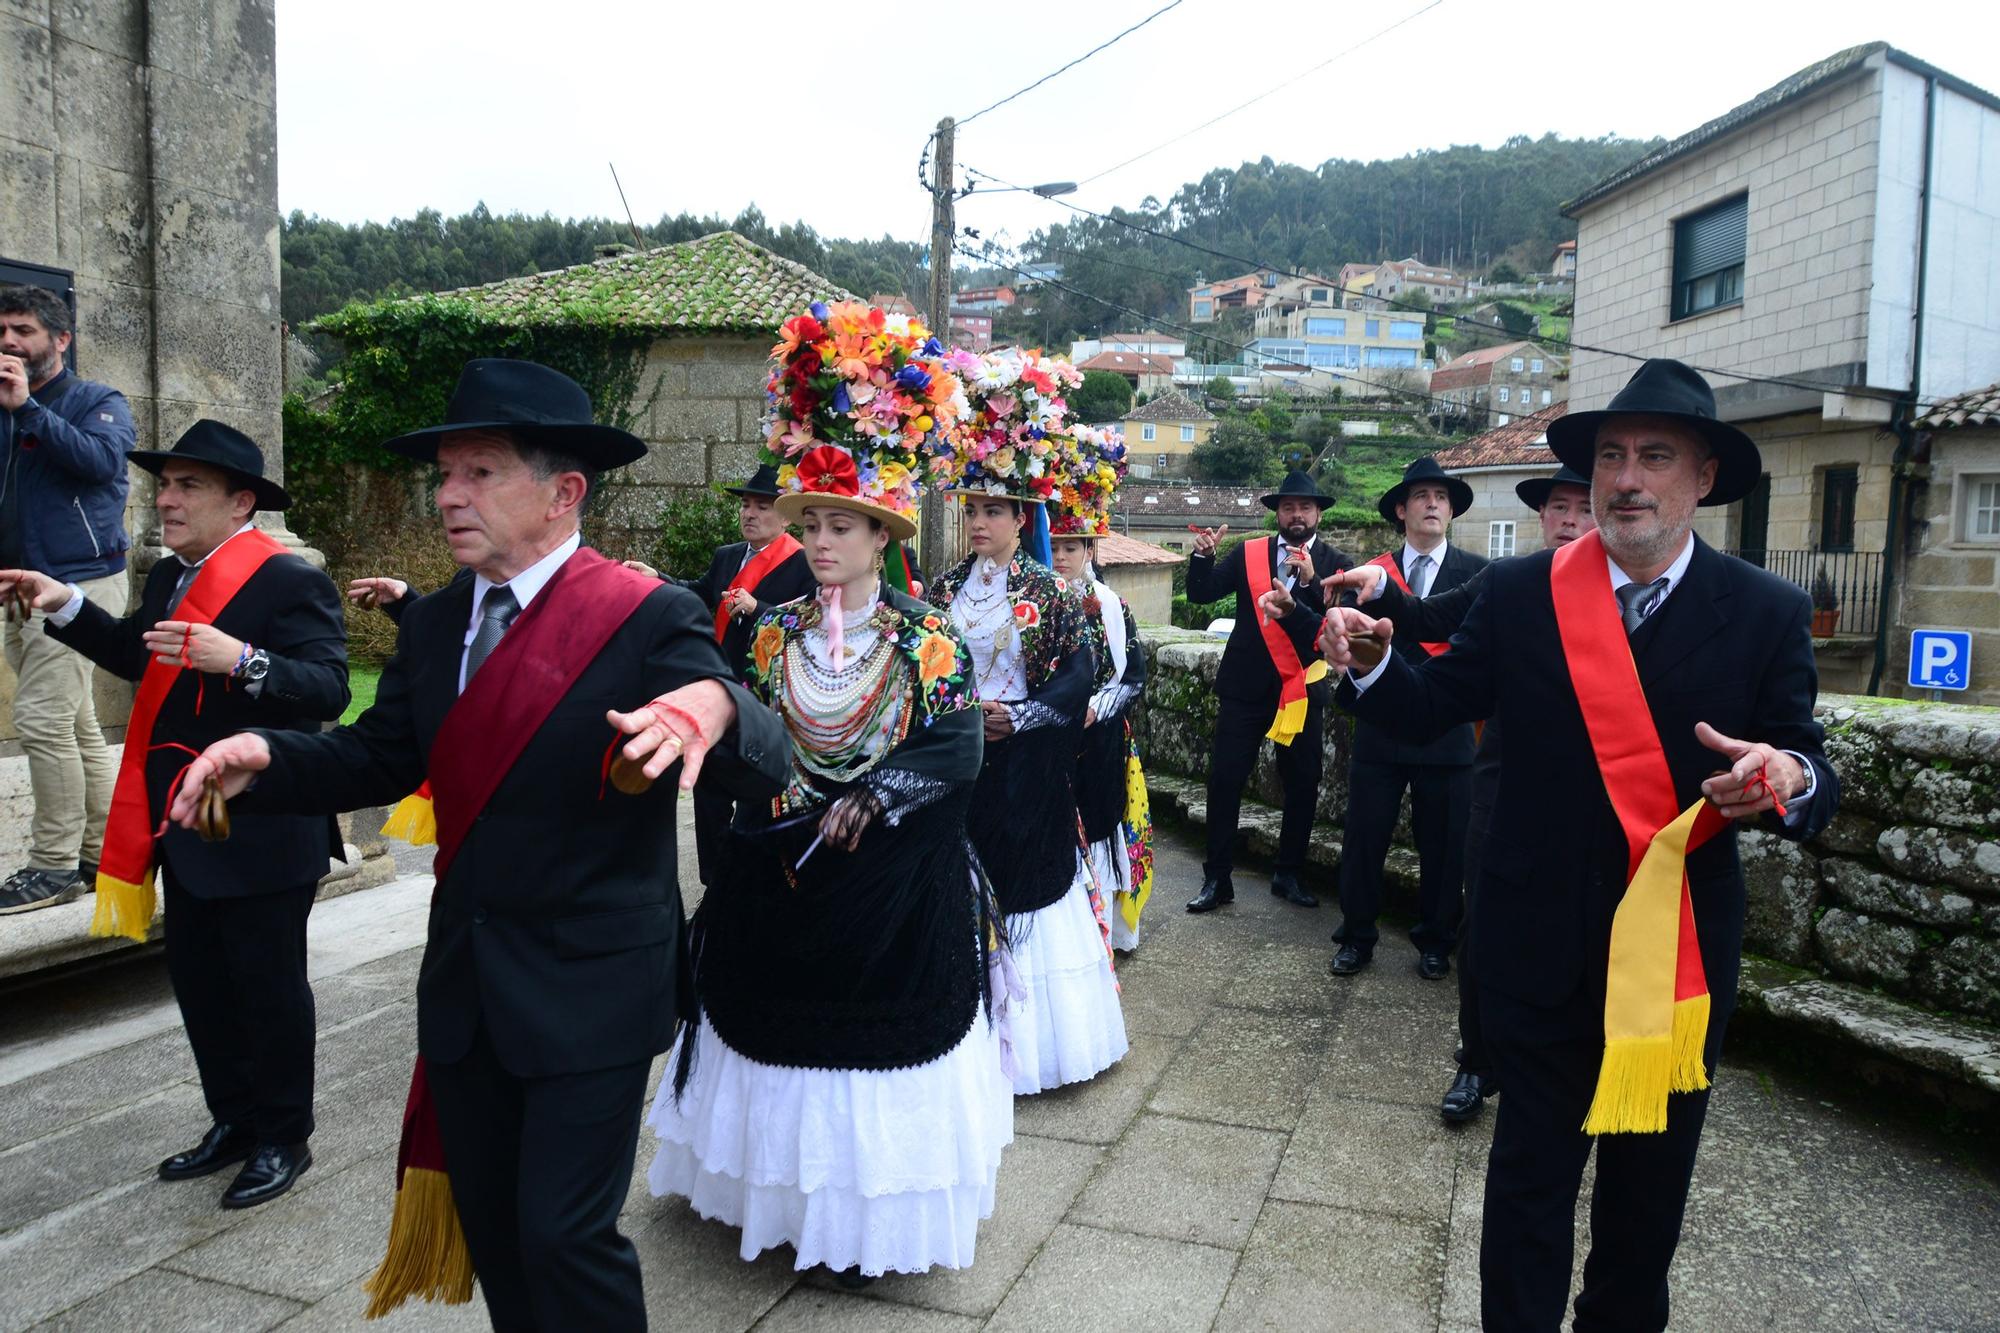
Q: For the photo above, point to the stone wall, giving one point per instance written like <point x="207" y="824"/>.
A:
<point x="1900" y="894"/>
<point x="138" y="146"/>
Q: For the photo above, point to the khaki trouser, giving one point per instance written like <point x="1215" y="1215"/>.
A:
<point x="69" y="766"/>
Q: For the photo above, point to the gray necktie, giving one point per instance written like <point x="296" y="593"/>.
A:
<point x="1637" y="600"/>
<point x="181" y="586"/>
<point x="495" y="614"/>
<point x="1420" y="579"/>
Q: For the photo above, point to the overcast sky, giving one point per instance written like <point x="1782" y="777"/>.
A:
<point x="817" y="111"/>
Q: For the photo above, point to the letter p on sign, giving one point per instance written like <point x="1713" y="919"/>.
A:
<point x="1940" y="659"/>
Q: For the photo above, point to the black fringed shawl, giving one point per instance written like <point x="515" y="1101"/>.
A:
<point x="870" y="959"/>
<point x="1100" y="760"/>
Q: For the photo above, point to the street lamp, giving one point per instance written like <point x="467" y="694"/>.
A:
<point x="1048" y="190"/>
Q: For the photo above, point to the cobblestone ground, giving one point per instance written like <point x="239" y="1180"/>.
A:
<point x="1268" y="1156"/>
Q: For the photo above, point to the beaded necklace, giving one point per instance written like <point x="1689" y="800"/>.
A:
<point x="988" y="619"/>
<point x="843" y="718"/>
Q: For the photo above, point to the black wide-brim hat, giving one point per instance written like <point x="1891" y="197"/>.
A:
<point x="763" y="482"/>
<point x="1420" y="470"/>
<point x="531" y="403"/>
<point x="1297" y="486"/>
<point x="222" y="447"/>
<point x="1535" y="491"/>
<point x="1664" y="388"/>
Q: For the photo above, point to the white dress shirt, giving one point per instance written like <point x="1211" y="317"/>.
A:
<point x="1430" y="575"/>
<point x="524" y="585"/>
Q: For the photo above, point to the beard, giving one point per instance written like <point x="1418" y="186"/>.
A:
<point x="1639" y="545"/>
<point x="44" y="368"/>
<point x="1296" y="531"/>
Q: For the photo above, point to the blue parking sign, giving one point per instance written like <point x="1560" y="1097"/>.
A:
<point x="1940" y="659"/>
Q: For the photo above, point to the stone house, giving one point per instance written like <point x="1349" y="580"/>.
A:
<point x="1499" y="383"/>
<point x="138" y="142"/>
<point x="1493" y="464"/>
<point x="1141" y="573"/>
<point x="1162" y="433"/>
<point x="1823" y="252"/>
<point x="1954" y="570"/>
<point x="1401" y="277"/>
<point x="712" y="307"/>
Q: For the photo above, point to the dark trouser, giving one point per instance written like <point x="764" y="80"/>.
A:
<point x="1472" y="1056"/>
<point x="1440" y="796"/>
<point x="1547" y="1063"/>
<point x="1239" y="730"/>
<point x="238" y="966"/>
<point x="539" y="1168"/>
<point x="713" y="809"/>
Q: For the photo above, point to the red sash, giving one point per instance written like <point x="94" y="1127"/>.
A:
<point x="527" y="674"/>
<point x="1388" y="562"/>
<point x="125" y="894"/>
<point x="1293" y="675"/>
<point x="754" y="569"/>
<point x="1656" y="994"/>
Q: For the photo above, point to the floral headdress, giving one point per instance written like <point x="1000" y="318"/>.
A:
<point x="1092" y="465"/>
<point x="1007" y="446"/>
<point x="855" y="396"/>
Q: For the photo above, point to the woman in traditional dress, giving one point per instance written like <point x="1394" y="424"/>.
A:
<point x="843" y="1091"/>
<point x="1110" y="787"/>
<point x="1026" y="632"/>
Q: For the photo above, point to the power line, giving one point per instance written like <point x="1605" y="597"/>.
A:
<point x="1175" y="4"/>
<point x="1278" y="88"/>
<point x="1391" y="302"/>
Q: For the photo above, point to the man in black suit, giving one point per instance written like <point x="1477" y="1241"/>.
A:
<point x="1247" y="688"/>
<point x="555" y="966"/>
<point x="1719" y="651"/>
<point x="1437" y="773"/>
<point x="231" y="632"/>
<point x="745" y="579"/>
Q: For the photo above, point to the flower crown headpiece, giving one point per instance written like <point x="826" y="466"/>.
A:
<point x="1092" y="466"/>
<point x="1007" y="443"/>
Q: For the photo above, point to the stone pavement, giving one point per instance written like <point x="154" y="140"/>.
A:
<point x="1267" y="1157"/>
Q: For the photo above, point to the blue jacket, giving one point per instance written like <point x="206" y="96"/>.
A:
<point x="67" y="460"/>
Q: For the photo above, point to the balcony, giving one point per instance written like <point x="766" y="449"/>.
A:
<point x="1846" y="586"/>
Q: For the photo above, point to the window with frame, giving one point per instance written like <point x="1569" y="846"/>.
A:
<point x="1535" y="366"/>
<point x="1149" y="431"/>
<point x="1981" y="520"/>
<point x="1321" y="327"/>
<point x="1505" y="394"/>
<point x="1187" y="434"/>
<point x="1409" y="330"/>
<point x="1547" y="397"/>
<point x="1204" y="307"/>
<point x="1515" y="365"/>
<point x="1373" y="329"/>
<point x="1708" y="257"/>
<point x="1838" y="486"/>
<point x="1499" y="539"/>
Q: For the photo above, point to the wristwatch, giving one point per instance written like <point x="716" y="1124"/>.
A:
<point x="256" y="666"/>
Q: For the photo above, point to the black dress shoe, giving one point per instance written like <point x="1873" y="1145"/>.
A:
<point x="1349" y="959"/>
<point x="1465" y="1099"/>
<point x="271" y="1170"/>
<point x="1284" y="884"/>
<point x="1214" y="893"/>
<point x="1433" y="967"/>
<point x="223" y="1145"/>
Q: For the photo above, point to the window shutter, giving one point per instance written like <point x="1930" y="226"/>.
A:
<point x="1708" y="242"/>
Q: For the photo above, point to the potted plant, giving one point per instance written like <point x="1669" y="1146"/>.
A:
<point x="1826" y="605"/>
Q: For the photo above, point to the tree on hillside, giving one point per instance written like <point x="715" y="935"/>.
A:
<point x="1237" y="451"/>
<point x="1103" y="396"/>
<point x="1503" y="272"/>
<point x="1221" y="389"/>
<point x="1312" y="430"/>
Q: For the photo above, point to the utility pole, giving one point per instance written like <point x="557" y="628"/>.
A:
<point x="931" y="538"/>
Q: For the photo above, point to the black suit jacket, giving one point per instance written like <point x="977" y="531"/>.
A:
<point x="559" y="925"/>
<point x="1246" y="672"/>
<point x="1731" y="647"/>
<point x="792" y="579"/>
<point x="290" y="610"/>
<point x="1377" y="745"/>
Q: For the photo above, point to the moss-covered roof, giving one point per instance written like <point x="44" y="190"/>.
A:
<point x="719" y="283"/>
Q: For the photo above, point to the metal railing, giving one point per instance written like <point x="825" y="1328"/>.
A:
<point x="1846" y="586"/>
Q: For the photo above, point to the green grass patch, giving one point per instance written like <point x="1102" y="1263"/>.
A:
<point x="361" y="683"/>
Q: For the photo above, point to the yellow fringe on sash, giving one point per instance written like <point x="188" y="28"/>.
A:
<point x="427" y="1255"/>
<point x="1652" y="1042"/>
<point x="1291" y="718"/>
<point x="124" y="909"/>
<point x="414" y="820"/>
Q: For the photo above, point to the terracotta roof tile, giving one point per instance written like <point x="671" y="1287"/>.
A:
<point x="1131" y="363"/>
<point x="1522" y="442"/>
<point x="1118" y="549"/>
<point x="1979" y="407"/>
<point x="1170" y="405"/>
